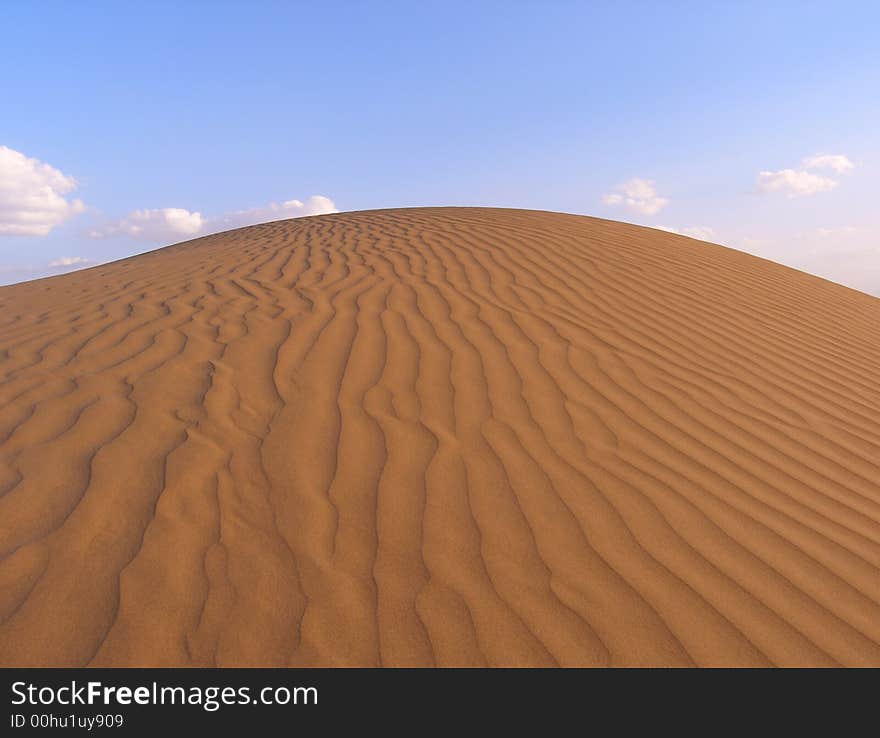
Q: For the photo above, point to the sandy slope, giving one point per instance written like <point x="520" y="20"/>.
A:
<point x="439" y="436"/>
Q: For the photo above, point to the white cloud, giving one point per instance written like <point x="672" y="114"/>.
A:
<point x="69" y="261"/>
<point x="795" y="182"/>
<point x="637" y="195"/>
<point x="315" y="205"/>
<point x="158" y="224"/>
<point x="754" y="245"/>
<point x="169" y="224"/>
<point x="702" y="233"/>
<point x="33" y="195"/>
<point x="838" y="162"/>
<point x="803" y="181"/>
<point x="838" y="232"/>
<point x="22" y="271"/>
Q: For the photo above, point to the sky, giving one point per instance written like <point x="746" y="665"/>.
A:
<point x="128" y="126"/>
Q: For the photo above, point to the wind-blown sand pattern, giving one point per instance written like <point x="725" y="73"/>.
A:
<point x="451" y="436"/>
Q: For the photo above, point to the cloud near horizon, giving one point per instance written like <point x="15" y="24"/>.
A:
<point x="847" y="254"/>
<point x="701" y="233"/>
<point x="804" y="181"/>
<point x="637" y="195"/>
<point x="314" y="205"/>
<point x="12" y="273"/>
<point x="69" y="261"/>
<point x="33" y="195"/>
<point x="154" y="225"/>
<point x="169" y="224"/>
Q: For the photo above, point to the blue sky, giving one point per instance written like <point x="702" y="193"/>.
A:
<point x="151" y="123"/>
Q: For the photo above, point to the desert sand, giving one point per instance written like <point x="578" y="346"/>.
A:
<point x="440" y="436"/>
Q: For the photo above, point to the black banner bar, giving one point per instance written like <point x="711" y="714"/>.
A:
<point x="109" y="701"/>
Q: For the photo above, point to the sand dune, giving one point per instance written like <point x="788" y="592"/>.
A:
<point x="451" y="436"/>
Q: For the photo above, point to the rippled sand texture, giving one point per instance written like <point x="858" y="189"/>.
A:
<point x="444" y="436"/>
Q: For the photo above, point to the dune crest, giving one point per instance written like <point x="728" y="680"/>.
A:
<point x="440" y="436"/>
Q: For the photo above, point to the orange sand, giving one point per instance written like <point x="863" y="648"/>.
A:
<point x="441" y="436"/>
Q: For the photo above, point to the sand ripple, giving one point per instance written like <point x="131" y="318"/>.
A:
<point x="439" y="437"/>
